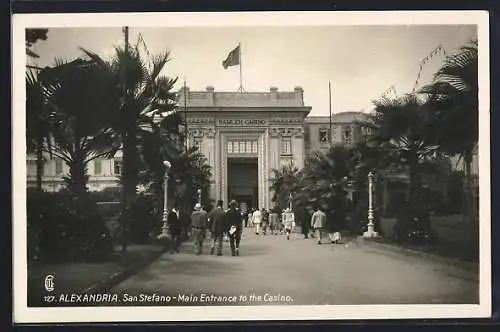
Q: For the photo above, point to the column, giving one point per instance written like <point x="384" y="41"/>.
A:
<point x="274" y="155"/>
<point x="216" y="170"/>
<point x="209" y="152"/>
<point x="223" y="169"/>
<point x="261" y="171"/>
<point x="266" y="170"/>
<point x="298" y="148"/>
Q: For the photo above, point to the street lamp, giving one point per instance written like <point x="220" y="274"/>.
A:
<point x="164" y="229"/>
<point x="199" y="196"/>
<point x="370" y="233"/>
<point x="290" y="200"/>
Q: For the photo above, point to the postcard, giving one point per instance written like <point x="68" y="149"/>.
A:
<point x="251" y="166"/>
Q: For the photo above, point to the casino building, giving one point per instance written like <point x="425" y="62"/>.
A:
<point x="243" y="135"/>
<point x="246" y="135"/>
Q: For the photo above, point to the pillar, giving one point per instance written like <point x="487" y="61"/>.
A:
<point x="298" y="150"/>
<point x="209" y="151"/>
<point x="274" y="156"/>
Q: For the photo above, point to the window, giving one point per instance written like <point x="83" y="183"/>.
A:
<point x="248" y="147"/>
<point x="347" y="136"/>
<point x="324" y="136"/>
<point x="254" y="147"/>
<point x="59" y="166"/>
<point x="197" y="143"/>
<point x="286" y="146"/>
<point x="118" y="167"/>
<point x="97" y="166"/>
<point x="242" y="147"/>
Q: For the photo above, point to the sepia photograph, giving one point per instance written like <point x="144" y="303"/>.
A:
<point x="251" y="166"/>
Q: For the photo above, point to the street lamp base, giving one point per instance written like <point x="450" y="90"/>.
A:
<point x="370" y="233"/>
<point x="163" y="236"/>
<point x="164" y="233"/>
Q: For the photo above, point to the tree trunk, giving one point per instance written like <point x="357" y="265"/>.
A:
<point x="470" y="208"/>
<point x="415" y="182"/>
<point x="130" y="180"/>
<point x="385" y="199"/>
<point x="77" y="177"/>
<point x="39" y="164"/>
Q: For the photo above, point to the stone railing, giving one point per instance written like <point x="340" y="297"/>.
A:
<point x="210" y="98"/>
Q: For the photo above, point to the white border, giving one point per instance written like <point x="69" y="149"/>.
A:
<point x="23" y="314"/>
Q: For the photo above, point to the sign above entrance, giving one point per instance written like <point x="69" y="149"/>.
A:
<point x="242" y="122"/>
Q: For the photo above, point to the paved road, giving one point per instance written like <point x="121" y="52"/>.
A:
<point x="299" y="271"/>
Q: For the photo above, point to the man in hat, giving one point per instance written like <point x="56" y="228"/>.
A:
<point x="217" y="226"/>
<point x="234" y="223"/>
<point x="198" y="226"/>
<point x="318" y="223"/>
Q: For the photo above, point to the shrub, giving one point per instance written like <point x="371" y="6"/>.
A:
<point x="143" y="219"/>
<point x="64" y="227"/>
<point x="413" y="225"/>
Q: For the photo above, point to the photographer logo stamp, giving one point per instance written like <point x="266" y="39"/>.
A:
<point x="49" y="283"/>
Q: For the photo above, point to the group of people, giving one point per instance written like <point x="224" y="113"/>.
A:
<point x="220" y="223"/>
<point x="316" y="226"/>
<point x="264" y="219"/>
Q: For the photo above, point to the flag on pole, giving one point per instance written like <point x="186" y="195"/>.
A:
<point x="233" y="58"/>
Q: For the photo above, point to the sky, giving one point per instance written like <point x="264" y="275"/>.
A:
<point x="361" y="62"/>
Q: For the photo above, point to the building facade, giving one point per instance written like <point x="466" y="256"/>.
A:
<point x="243" y="135"/>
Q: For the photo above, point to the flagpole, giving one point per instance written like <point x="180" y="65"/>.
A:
<point x="185" y="117"/>
<point x="330" y="106"/>
<point x="241" y="76"/>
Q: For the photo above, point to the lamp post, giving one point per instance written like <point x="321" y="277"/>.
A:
<point x="370" y="233"/>
<point x="199" y="196"/>
<point x="290" y="201"/>
<point x="164" y="229"/>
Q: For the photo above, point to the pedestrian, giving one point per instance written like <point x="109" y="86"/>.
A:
<point x="282" y="221"/>
<point x="249" y="218"/>
<point x="217" y="227"/>
<point x="337" y="219"/>
<point x="175" y="228"/>
<point x="265" y="220"/>
<point x="318" y="222"/>
<point x="257" y="220"/>
<point x="288" y="222"/>
<point x="234" y="225"/>
<point x="198" y="226"/>
<point x="274" y="222"/>
<point x="305" y="225"/>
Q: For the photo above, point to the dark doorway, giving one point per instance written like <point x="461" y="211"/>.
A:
<point x="242" y="179"/>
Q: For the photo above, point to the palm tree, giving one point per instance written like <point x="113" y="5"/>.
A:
<point x="32" y="36"/>
<point x="36" y="117"/>
<point x="284" y="182"/>
<point x="146" y="95"/>
<point x="77" y="99"/>
<point x="37" y="125"/>
<point x="452" y="103"/>
<point x="325" y="178"/>
<point x="400" y="130"/>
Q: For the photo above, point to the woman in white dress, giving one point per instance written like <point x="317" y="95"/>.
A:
<point x="289" y="222"/>
<point x="257" y="220"/>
